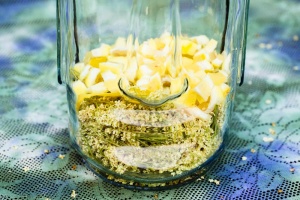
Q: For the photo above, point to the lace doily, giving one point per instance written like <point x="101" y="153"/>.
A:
<point x="262" y="155"/>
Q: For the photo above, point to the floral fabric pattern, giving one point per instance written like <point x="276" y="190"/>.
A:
<point x="262" y="154"/>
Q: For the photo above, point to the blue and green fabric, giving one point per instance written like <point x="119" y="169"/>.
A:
<point x="262" y="154"/>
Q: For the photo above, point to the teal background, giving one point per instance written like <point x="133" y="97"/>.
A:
<point x="33" y="114"/>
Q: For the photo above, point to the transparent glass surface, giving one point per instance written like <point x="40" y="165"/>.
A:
<point x="150" y="84"/>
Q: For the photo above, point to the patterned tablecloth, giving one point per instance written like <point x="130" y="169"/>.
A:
<point x="262" y="155"/>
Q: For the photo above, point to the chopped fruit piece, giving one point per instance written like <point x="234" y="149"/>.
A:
<point x="188" y="47"/>
<point x="201" y="39"/>
<point x="201" y="55"/>
<point x="111" y="81"/>
<point x="219" y="77"/>
<point x="205" y="65"/>
<point x="131" y="70"/>
<point x="92" y="77"/>
<point x="159" y="44"/>
<point x="112" y="86"/>
<point x="155" y="83"/>
<point x="150" y="83"/>
<point x="192" y="68"/>
<point x="114" y="67"/>
<point x="143" y="82"/>
<point x="108" y="75"/>
<point x="145" y="70"/>
<point x="170" y="69"/>
<point x="94" y="61"/>
<point x="204" y="88"/>
<point x="176" y="85"/>
<point x="198" y="113"/>
<point x="226" y="64"/>
<point x="189" y="98"/>
<point x="149" y="62"/>
<point x="99" y="88"/>
<point x="186" y="62"/>
<point x="192" y="78"/>
<point x="117" y="59"/>
<point x="84" y="72"/>
<point x="78" y="67"/>
<point x="119" y="48"/>
<point x="79" y="87"/>
<point x="211" y="46"/>
<point x="148" y="49"/>
<point x="200" y="74"/>
<point x="213" y="55"/>
<point x="103" y="51"/>
<point x="119" y="51"/>
<point x="217" y="62"/>
<point x="216" y="98"/>
<point x="225" y="89"/>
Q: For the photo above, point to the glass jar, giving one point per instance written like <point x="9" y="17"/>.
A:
<point x="150" y="84"/>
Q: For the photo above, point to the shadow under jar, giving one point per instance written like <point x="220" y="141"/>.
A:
<point x="150" y="84"/>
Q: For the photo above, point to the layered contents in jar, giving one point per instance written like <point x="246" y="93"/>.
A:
<point x="125" y="135"/>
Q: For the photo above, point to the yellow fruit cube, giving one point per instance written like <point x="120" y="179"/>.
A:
<point x="186" y="62"/>
<point x="216" y="98"/>
<point x="119" y="51"/>
<point x="187" y="99"/>
<point x="193" y="68"/>
<point x="143" y="82"/>
<point x="79" y="87"/>
<point x="84" y="72"/>
<point x="111" y="66"/>
<point x="155" y="83"/>
<point x="226" y="64"/>
<point x="78" y="67"/>
<point x="131" y="70"/>
<point x="92" y="77"/>
<point x="213" y="55"/>
<point x="195" y="112"/>
<point x="118" y="59"/>
<point x="119" y="48"/>
<point x="188" y="47"/>
<point x="201" y="55"/>
<point x="201" y="39"/>
<point x="176" y="85"/>
<point x="170" y="68"/>
<point x="98" y="88"/>
<point x="159" y="44"/>
<point x="147" y="51"/>
<point x="205" y="65"/>
<point x="102" y="51"/>
<point x="111" y="81"/>
<point x="219" y="77"/>
<point x="94" y="61"/>
<point x="145" y="70"/>
<point x="204" y="88"/>
<point x="200" y="74"/>
<point x="225" y="89"/>
<point x="211" y="46"/>
<point x="192" y="78"/>
<point x="108" y="75"/>
<point x="217" y="62"/>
